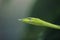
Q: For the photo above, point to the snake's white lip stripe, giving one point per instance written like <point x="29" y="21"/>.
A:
<point x="20" y="19"/>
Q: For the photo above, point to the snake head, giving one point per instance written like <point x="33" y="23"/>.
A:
<point x="30" y="20"/>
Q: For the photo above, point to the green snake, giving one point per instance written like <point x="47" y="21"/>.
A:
<point x="39" y="22"/>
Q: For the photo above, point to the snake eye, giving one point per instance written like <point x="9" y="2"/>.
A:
<point x="29" y="18"/>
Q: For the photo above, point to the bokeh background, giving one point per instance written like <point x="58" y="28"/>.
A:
<point x="12" y="10"/>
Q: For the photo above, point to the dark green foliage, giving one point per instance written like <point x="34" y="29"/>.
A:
<point x="48" y="10"/>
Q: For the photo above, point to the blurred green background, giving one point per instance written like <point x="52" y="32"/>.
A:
<point x="12" y="10"/>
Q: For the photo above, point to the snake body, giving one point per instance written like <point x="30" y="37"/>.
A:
<point x="39" y="22"/>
